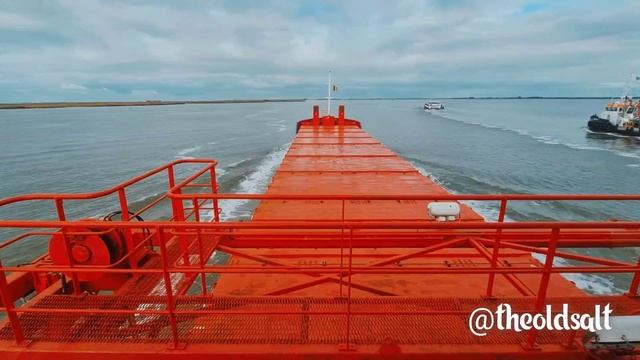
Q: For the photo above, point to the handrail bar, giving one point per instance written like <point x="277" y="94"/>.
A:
<point x="347" y="224"/>
<point x="484" y="197"/>
<point x="332" y="269"/>
<point x="105" y="192"/>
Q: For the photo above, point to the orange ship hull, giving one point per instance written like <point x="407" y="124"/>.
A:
<point x="341" y="259"/>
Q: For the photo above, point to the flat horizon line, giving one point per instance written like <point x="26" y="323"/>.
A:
<point x="66" y="104"/>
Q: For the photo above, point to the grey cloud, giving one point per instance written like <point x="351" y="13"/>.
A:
<point x="121" y="49"/>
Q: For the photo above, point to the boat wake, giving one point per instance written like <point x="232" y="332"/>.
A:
<point x="254" y="182"/>
<point x="593" y="284"/>
<point x="545" y="139"/>
<point x="280" y="125"/>
<point x="488" y="210"/>
<point x="182" y="154"/>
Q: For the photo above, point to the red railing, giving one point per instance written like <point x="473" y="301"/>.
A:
<point x="121" y="188"/>
<point x="426" y="236"/>
<point x="166" y="231"/>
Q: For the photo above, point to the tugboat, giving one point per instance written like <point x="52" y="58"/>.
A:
<point x="433" y="105"/>
<point x="619" y="117"/>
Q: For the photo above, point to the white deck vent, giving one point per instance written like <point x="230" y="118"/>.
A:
<point x="624" y="335"/>
<point x="444" y="211"/>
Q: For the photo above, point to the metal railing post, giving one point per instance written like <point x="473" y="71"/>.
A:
<point x="203" y="279"/>
<point x="544" y="283"/>
<point x="168" y="288"/>
<point x="349" y="346"/>
<point x="124" y="207"/>
<point x="496" y="249"/>
<point x="176" y="203"/>
<point x="342" y="251"/>
<point x="177" y="208"/>
<point x="196" y="209"/>
<point x="214" y="190"/>
<point x="635" y="281"/>
<point x="9" y="307"/>
<point x="128" y="237"/>
<point x="75" y="282"/>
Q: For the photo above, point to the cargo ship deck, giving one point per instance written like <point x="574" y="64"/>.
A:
<point x="340" y="259"/>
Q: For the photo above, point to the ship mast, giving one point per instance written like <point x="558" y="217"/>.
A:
<point x="329" y="95"/>
<point x="628" y="86"/>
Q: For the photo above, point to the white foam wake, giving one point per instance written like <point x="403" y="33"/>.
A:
<point x="255" y="182"/>
<point x="488" y="210"/>
<point x="545" y="139"/>
<point x="182" y="154"/>
<point x="591" y="283"/>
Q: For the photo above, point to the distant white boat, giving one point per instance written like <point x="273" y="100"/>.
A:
<point x="433" y="105"/>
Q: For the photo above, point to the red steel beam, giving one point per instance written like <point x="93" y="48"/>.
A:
<point x="289" y="289"/>
<point x="391" y="260"/>
<point x="514" y="281"/>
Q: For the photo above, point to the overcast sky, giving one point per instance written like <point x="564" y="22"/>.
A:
<point x="137" y="50"/>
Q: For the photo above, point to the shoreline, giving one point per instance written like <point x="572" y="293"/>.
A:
<point x="73" y="104"/>
<point x="64" y="104"/>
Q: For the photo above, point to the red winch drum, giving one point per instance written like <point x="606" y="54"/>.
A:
<point x="88" y="247"/>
